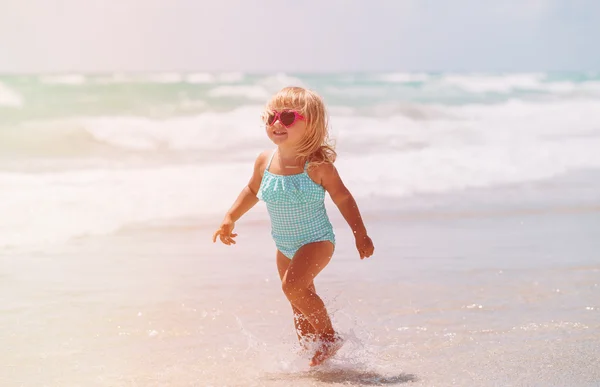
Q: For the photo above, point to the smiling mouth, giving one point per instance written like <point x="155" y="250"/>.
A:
<point x="279" y="132"/>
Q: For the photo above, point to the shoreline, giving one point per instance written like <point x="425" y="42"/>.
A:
<point x="436" y="304"/>
<point x="498" y="294"/>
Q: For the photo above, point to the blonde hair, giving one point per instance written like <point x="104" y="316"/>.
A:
<point x="316" y="147"/>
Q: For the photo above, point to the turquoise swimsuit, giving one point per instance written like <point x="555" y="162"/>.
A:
<point x="297" y="210"/>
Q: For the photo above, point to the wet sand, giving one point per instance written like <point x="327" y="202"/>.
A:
<point x="482" y="298"/>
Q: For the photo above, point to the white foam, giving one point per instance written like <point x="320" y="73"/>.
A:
<point x="435" y="170"/>
<point x="199" y="78"/>
<point x="509" y="83"/>
<point x="111" y="79"/>
<point x="9" y="98"/>
<point x="101" y="201"/>
<point x="279" y="81"/>
<point x="204" y="78"/>
<point x="483" y="83"/>
<point x="231" y="77"/>
<point x="385" y="127"/>
<point x="169" y="78"/>
<point x="205" y="131"/>
<point x="403" y="77"/>
<point x="355" y="91"/>
<point x="589" y="87"/>
<point x="261" y="91"/>
<point x="64" y="79"/>
<point x="251" y="92"/>
<point x="474" y="146"/>
<point x="481" y="124"/>
<point x="467" y="146"/>
<point x="163" y="78"/>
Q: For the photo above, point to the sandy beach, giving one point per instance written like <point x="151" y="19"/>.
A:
<point x="491" y="297"/>
<point x="480" y="192"/>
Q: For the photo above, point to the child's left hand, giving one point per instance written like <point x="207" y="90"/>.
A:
<point x="364" y="245"/>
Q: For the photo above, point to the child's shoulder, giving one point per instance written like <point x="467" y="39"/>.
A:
<point x="322" y="172"/>
<point x="264" y="156"/>
<point x="262" y="160"/>
<point x="321" y="166"/>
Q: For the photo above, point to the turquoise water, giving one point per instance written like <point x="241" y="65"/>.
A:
<point x="152" y="143"/>
<point x="52" y="96"/>
<point x="481" y="193"/>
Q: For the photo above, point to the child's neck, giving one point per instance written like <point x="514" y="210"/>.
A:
<point x="288" y="157"/>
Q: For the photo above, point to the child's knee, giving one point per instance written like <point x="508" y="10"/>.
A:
<point x="292" y="289"/>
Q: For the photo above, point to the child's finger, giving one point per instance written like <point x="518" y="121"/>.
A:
<point x="227" y="240"/>
<point x="215" y="235"/>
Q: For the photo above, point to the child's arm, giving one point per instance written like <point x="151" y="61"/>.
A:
<point x="343" y="199"/>
<point x="244" y="202"/>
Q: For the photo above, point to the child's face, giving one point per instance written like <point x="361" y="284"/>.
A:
<point x="286" y="135"/>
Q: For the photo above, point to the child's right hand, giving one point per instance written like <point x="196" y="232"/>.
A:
<point x="225" y="232"/>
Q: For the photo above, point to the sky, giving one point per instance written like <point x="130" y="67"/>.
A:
<point x="298" y="35"/>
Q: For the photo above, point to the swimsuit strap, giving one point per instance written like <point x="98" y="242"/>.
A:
<point x="271" y="159"/>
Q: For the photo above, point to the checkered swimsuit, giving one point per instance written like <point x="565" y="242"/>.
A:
<point x="296" y="207"/>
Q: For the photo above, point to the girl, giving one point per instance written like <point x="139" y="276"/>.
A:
<point x="292" y="181"/>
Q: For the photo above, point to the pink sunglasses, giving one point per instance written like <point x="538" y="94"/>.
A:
<point x="286" y="117"/>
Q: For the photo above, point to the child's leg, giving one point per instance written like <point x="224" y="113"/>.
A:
<point x="308" y="261"/>
<point x="304" y="329"/>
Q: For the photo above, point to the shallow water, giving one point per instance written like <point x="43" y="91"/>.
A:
<point x="508" y="299"/>
<point x="481" y="193"/>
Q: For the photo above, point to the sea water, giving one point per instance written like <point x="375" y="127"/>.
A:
<point x="480" y="191"/>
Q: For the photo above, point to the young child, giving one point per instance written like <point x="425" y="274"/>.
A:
<point x="292" y="181"/>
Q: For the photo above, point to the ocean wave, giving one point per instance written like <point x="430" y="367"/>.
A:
<point x="9" y="98"/>
<point x="482" y="83"/>
<point x="510" y="83"/>
<point x="231" y="77"/>
<point x="356" y="91"/>
<point x="141" y="78"/>
<point x="81" y="203"/>
<point x="402" y="77"/>
<point x="200" y="78"/>
<point x="387" y="125"/>
<point x="249" y="92"/>
<point x="121" y="135"/>
<point x="201" y="132"/>
<point x="64" y="79"/>
<point x="457" y="89"/>
<point x="216" y="78"/>
<point x="261" y="90"/>
<point x="280" y="80"/>
<point x="112" y="167"/>
<point x="150" y="93"/>
<point x="162" y="78"/>
<point x="100" y="201"/>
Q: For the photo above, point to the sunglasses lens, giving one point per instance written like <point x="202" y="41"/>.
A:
<point x="270" y="118"/>
<point x="287" y="118"/>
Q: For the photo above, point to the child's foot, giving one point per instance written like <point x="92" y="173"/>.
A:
<point x="327" y="349"/>
<point x="306" y="342"/>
